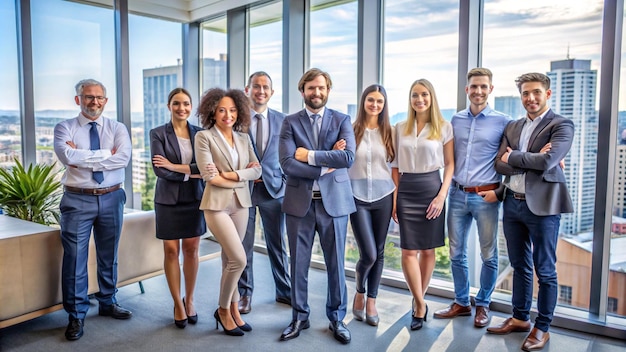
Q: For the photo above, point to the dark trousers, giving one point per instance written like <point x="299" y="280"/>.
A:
<point x="332" y="233"/>
<point x="531" y="241"/>
<point x="79" y="214"/>
<point x="273" y="220"/>
<point x="370" y="224"/>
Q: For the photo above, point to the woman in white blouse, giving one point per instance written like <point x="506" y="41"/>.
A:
<point x="370" y="176"/>
<point x="424" y="145"/>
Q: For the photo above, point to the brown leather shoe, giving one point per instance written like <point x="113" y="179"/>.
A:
<point x="245" y="304"/>
<point x="454" y="310"/>
<point x="481" y="318"/>
<point x="510" y="325"/>
<point x="535" y="340"/>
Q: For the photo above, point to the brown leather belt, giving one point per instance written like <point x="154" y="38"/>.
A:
<point x="317" y="195"/>
<point x="92" y="191"/>
<point x="518" y="196"/>
<point x="258" y="181"/>
<point x="476" y="189"/>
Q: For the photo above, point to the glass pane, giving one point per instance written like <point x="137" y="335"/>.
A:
<point x="572" y="63"/>
<point x="10" y="125"/>
<point x="214" y="54"/>
<point x="617" y="277"/>
<point x="70" y="42"/>
<point x="414" y="35"/>
<point x="155" y="69"/>
<point x="327" y="37"/>
<point x="266" y="46"/>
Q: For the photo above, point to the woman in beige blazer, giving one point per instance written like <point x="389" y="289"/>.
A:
<point x="226" y="198"/>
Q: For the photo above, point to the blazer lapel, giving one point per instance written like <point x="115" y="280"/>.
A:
<point x="325" y="125"/>
<point x="544" y="122"/>
<point x="517" y="133"/>
<point x="223" y="147"/>
<point x="306" y="125"/>
<point x="242" y="149"/>
<point x="170" y="136"/>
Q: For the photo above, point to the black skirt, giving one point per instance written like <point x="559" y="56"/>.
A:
<point x="415" y="192"/>
<point x="182" y="220"/>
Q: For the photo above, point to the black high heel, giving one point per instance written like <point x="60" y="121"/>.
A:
<point x="193" y="319"/>
<point x="418" y="323"/>
<point x="181" y="324"/>
<point x="234" y="332"/>
<point x="245" y="327"/>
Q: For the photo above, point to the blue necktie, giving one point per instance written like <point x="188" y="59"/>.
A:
<point x="316" y="129"/>
<point x="94" y="141"/>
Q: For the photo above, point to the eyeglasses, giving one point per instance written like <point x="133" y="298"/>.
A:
<point x="90" y="98"/>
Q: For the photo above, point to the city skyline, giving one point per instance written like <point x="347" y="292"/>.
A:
<point x="504" y="20"/>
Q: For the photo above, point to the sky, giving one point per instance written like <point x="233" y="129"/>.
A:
<point x="73" y="41"/>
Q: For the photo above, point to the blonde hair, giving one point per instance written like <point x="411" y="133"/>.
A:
<point x="435" y="118"/>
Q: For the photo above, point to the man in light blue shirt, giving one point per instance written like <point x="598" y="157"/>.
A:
<point x="477" y="134"/>
<point x="95" y="151"/>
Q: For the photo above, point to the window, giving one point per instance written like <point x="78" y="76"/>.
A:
<point x="10" y="124"/>
<point x="573" y="66"/>
<point x="612" y="305"/>
<point x="266" y="45"/>
<point x="213" y="64"/>
<point x="565" y="294"/>
<point x="420" y="42"/>
<point x="340" y="42"/>
<point x="155" y="69"/>
<point x="70" y="42"/>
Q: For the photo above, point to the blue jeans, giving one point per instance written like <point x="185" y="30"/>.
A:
<point x="463" y="207"/>
<point x="531" y="240"/>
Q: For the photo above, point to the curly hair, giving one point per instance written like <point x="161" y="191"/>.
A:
<point x="211" y="99"/>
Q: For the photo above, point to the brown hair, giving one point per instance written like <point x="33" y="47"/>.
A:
<point x="436" y="119"/>
<point x="259" y="74"/>
<point x="176" y="91"/>
<point x="210" y="100"/>
<point x="384" y="126"/>
<point x="310" y="75"/>
<point x="479" y="71"/>
<point x="532" y="77"/>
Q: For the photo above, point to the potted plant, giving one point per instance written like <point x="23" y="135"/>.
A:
<point x="31" y="194"/>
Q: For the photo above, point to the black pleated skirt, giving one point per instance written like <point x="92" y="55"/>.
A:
<point x="415" y="192"/>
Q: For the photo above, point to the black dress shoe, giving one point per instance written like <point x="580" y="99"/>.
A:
<point x="340" y="331"/>
<point x="245" y="304"/>
<point x="74" y="329"/>
<point x="293" y="330"/>
<point x="418" y="323"/>
<point x="114" y="311"/>
<point x="283" y="300"/>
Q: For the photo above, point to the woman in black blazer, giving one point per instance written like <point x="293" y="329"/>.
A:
<point x="177" y="198"/>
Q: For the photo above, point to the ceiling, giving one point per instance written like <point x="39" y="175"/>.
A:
<point x="176" y="10"/>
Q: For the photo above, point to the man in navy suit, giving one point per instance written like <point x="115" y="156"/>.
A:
<point x="318" y="197"/>
<point x="267" y="193"/>
<point x="534" y="198"/>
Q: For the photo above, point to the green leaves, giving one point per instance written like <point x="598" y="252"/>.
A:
<point x="31" y="194"/>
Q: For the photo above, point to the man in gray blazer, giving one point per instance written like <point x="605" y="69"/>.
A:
<point x="267" y="193"/>
<point x="534" y="198"/>
<point x="318" y="197"/>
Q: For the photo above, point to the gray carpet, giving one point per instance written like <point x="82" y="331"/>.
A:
<point x="152" y="328"/>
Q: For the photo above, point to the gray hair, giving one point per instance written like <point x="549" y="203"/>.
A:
<point x="89" y="82"/>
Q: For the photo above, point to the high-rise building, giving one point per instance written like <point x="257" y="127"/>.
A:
<point x="214" y="73"/>
<point x="157" y="84"/>
<point x="619" y="188"/>
<point x="510" y="105"/>
<point x="574" y="97"/>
